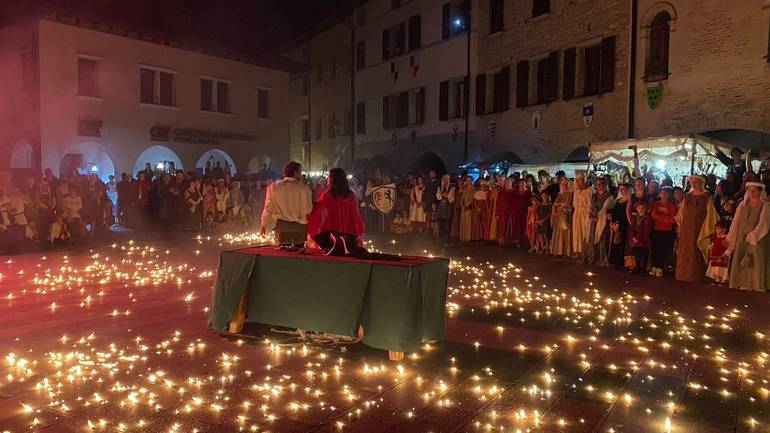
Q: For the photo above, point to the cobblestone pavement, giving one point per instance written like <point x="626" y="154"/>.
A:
<point x="115" y="339"/>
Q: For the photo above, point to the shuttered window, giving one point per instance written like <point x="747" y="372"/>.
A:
<point x="542" y="80"/>
<point x="592" y="70"/>
<point x="522" y="84"/>
<point x="361" y="118"/>
<point x="415" y="32"/>
<point x="656" y="67"/>
<point x="481" y="94"/>
<point x="568" y="88"/>
<point x="386" y="44"/>
<point x="360" y="55"/>
<point x="501" y="90"/>
<point x="402" y="110"/>
<point x="443" y="100"/>
<point x="607" y="72"/>
<point x="496" y="11"/>
<point x="552" y="77"/>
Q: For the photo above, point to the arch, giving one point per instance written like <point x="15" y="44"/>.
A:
<point x="159" y="157"/>
<point x="260" y="164"/>
<point x="87" y="157"/>
<point x="211" y="158"/>
<point x="21" y="155"/>
<point x="654" y="10"/>
<point x="580" y="154"/>
<point x="429" y="161"/>
<point x="657" y="25"/>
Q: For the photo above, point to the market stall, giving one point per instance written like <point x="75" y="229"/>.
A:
<point x="677" y="156"/>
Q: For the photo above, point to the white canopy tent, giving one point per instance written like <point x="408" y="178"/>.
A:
<point x="678" y="155"/>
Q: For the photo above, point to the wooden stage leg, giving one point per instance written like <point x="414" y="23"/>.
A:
<point x="239" y="315"/>
<point x="396" y="356"/>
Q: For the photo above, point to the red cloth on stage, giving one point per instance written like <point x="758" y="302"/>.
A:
<point x="337" y="214"/>
<point x="519" y="204"/>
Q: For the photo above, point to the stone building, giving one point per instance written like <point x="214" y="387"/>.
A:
<point x="553" y="76"/>
<point x="321" y="104"/>
<point x="708" y="62"/>
<point x="104" y="99"/>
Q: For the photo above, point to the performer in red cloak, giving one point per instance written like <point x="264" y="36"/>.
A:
<point x="519" y="205"/>
<point x="337" y="209"/>
<point x="504" y="200"/>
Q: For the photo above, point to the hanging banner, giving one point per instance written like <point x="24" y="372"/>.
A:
<point x="384" y="198"/>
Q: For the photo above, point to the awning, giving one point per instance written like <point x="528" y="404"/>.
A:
<point x="655" y="148"/>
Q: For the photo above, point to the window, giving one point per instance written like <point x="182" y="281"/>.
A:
<point x="417" y="106"/>
<point x="452" y="94"/>
<point x="393" y="41"/>
<point x="415" y="32"/>
<point x="540" y="7"/>
<point x="656" y="66"/>
<point x="455" y="17"/>
<point x="360" y="55"/>
<point x="522" y="84"/>
<point x="318" y="128"/>
<point x="305" y="124"/>
<point x="156" y="87"/>
<point x="263" y="103"/>
<point x="599" y="68"/>
<point x="501" y="90"/>
<point x="361" y="118"/>
<point x="548" y="78"/>
<point x="481" y="94"/>
<point x="88" y="77"/>
<point x="215" y="95"/>
<point x="496" y="10"/>
<point x="332" y="126"/>
<point x="591" y="70"/>
<point x="395" y="111"/>
<point x="568" y="87"/>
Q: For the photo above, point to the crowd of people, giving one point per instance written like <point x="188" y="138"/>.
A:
<point x="48" y="211"/>
<point x="705" y="229"/>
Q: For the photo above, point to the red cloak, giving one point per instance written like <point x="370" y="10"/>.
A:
<point x="338" y="214"/>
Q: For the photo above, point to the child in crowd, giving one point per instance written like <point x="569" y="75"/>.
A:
<point x="718" y="269"/>
<point x="534" y="202"/>
<point x="639" y="239"/>
<point x="543" y="228"/>
<point x="662" y="235"/>
<point x="400" y="225"/>
<point x="58" y="233"/>
<point x="727" y="211"/>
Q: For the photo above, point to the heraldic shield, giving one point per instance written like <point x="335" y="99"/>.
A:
<point x="654" y="96"/>
<point x="384" y="198"/>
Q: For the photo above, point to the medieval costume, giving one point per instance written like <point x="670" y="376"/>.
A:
<point x="445" y="196"/>
<point x="749" y="243"/>
<point x="619" y="228"/>
<point x="504" y="212"/>
<point x="494" y="194"/>
<point x="466" y="219"/>
<point x="337" y="214"/>
<point x="597" y="248"/>
<point x="561" y="219"/>
<point x="480" y="214"/>
<point x="581" y="223"/>
<point x="698" y="218"/>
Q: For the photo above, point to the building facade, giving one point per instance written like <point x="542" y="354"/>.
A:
<point x="393" y="75"/>
<point x="703" y="66"/>
<point x="553" y="76"/>
<point x="105" y="100"/>
<point x="321" y="99"/>
<point x="557" y="75"/>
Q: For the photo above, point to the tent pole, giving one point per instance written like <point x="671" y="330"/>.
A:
<point x="692" y="157"/>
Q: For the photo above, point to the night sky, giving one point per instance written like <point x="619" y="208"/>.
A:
<point x="253" y="27"/>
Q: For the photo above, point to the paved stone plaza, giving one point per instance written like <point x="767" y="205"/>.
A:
<point x="116" y="340"/>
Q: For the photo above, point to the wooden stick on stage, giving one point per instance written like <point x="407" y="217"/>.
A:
<point x="239" y="315"/>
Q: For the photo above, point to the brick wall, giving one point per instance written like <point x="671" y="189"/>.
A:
<point x="571" y="23"/>
<point x="719" y="76"/>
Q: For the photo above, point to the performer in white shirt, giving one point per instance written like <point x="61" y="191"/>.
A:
<point x="287" y="205"/>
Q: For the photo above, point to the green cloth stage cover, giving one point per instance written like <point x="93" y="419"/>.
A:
<point x="400" y="303"/>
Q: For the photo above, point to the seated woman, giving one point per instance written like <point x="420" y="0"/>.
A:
<point x="337" y="209"/>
